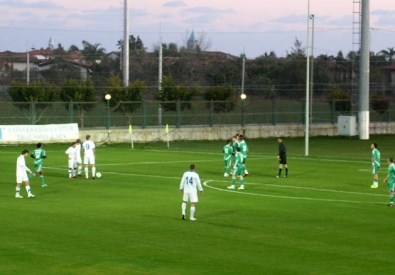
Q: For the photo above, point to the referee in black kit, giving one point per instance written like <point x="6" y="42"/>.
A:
<point x="282" y="157"/>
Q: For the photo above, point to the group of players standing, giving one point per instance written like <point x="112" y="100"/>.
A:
<point x="389" y="179"/>
<point x="238" y="148"/>
<point x="73" y="153"/>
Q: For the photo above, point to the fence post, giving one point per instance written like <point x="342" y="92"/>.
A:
<point x="211" y="113"/>
<point x="333" y="111"/>
<point x="32" y="113"/>
<point x="303" y="113"/>
<point x="71" y="111"/>
<point x="274" y="112"/>
<point x="388" y="112"/>
<point x="143" y="117"/>
<point x="178" y="114"/>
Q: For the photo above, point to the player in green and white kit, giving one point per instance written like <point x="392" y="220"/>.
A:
<point x="238" y="170"/>
<point x="391" y="180"/>
<point x="39" y="155"/>
<point x="375" y="165"/>
<point x="228" y="151"/>
<point x="243" y="149"/>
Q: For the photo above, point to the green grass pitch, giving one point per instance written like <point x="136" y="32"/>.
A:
<point x="323" y="219"/>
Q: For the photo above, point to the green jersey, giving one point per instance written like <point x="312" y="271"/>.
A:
<point x="391" y="173"/>
<point x="243" y="148"/>
<point x="376" y="157"/>
<point x="239" y="159"/>
<point x="227" y="150"/>
<point x="235" y="144"/>
<point x="38" y="155"/>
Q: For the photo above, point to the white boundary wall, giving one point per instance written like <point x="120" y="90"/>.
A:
<point x="221" y="132"/>
<point x="151" y="134"/>
<point x="50" y="133"/>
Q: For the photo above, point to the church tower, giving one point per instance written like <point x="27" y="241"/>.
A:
<point x="192" y="43"/>
<point x="51" y="44"/>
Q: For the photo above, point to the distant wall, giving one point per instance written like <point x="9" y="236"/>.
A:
<point x="222" y="132"/>
<point x="117" y="135"/>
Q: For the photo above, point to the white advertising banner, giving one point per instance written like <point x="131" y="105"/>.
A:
<point x="39" y="133"/>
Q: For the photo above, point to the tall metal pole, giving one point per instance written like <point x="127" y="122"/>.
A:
<point x="307" y="119"/>
<point x="242" y="93"/>
<point x="364" y="70"/>
<point x="126" y="45"/>
<point x="27" y="65"/>
<point x="312" y="70"/>
<point x="160" y="75"/>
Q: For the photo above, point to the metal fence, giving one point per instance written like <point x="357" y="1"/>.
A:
<point x="153" y="113"/>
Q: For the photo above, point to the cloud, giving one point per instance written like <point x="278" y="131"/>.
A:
<point x="382" y="12"/>
<point x="175" y="4"/>
<point x="291" y="18"/>
<point x="340" y="21"/>
<point x="21" y="4"/>
<point x="111" y="16"/>
<point x="207" y="10"/>
<point x="386" y="20"/>
<point x="201" y="19"/>
<point x="166" y="15"/>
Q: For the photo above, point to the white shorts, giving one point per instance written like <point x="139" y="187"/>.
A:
<point x="192" y="197"/>
<point x="89" y="159"/>
<point x="72" y="163"/>
<point x="21" y="179"/>
<point x="79" y="160"/>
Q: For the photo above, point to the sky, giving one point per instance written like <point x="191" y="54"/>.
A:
<point x="254" y="27"/>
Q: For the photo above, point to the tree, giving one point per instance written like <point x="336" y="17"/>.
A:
<point x="125" y="100"/>
<point x="173" y="92"/>
<point x="61" y="67"/>
<point x="297" y="50"/>
<point x="73" y="49"/>
<point x="340" y="99"/>
<point x="93" y="53"/>
<point x="221" y="97"/>
<point x="388" y="54"/>
<point x="379" y="103"/>
<point x="81" y="95"/>
<point x="38" y="95"/>
<point x="134" y="44"/>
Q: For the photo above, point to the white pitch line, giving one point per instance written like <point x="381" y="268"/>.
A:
<point x="125" y="174"/>
<point x="310" y="188"/>
<point x="284" y="197"/>
<point x="249" y="183"/>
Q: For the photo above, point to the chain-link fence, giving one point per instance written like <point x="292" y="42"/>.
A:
<point x="206" y="113"/>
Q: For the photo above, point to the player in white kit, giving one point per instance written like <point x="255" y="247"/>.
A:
<point x="71" y="154"/>
<point x="79" y="159"/>
<point x="88" y="147"/>
<point x="21" y="175"/>
<point x="190" y="182"/>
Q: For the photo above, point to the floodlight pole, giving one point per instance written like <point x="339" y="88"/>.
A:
<point x="242" y="96"/>
<point x="108" y="97"/>
<point x="307" y="110"/>
<point x="126" y="45"/>
<point x="160" y="75"/>
<point x="312" y="70"/>
<point x="364" y="71"/>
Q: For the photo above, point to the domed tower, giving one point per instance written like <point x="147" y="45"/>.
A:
<point x="192" y="43"/>
<point x="51" y="44"/>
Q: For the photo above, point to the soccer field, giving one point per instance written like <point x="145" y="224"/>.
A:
<point x="323" y="219"/>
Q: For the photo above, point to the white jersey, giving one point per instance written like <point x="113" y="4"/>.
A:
<point x="21" y="168"/>
<point x="72" y="153"/>
<point x="78" y="150"/>
<point x="89" y="147"/>
<point x="190" y="182"/>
